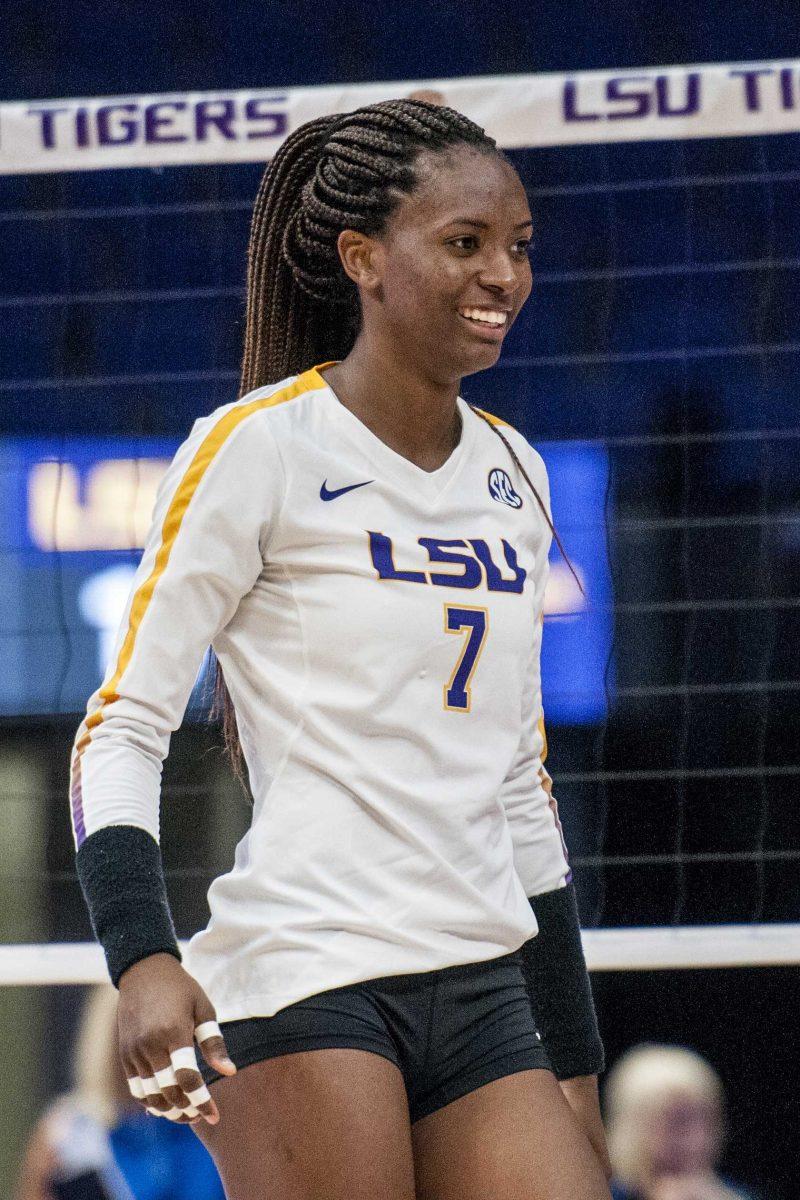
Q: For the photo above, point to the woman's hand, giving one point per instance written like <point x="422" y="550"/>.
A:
<point x="583" y="1097"/>
<point x="160" y="1007"/>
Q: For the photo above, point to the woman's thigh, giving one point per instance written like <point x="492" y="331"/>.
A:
<point x="316" y="1125"/>
<point x="513" y="1139"/>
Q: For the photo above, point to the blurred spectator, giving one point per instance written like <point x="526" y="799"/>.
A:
<point x="96" y="1144"/>
<point x="665" y="1121"/>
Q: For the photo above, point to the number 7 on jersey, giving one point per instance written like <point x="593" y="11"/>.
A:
<point x="457" y="693"/>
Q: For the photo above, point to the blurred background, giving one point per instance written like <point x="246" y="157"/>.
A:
<point x="655" y="367"/>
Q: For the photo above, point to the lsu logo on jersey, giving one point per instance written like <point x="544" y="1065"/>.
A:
<point x="502" y="489"/>
<point x="471" y="557"/>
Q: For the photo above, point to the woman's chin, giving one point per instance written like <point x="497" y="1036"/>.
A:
<point x="482" y="356"/>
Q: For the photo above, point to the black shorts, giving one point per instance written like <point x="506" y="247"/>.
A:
<point x="449" y="1031"/>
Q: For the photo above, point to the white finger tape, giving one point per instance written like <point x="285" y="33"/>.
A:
<point x="173" y="1114"/>
<point x="199" y="1095"/>
<point x="207" y="1030"/>
<point x="191" y="1112"/>
<point x="166" y="1077"/>
<point x="136" y="1087"/>
<point x="155" y="1112"/>
<point x="151" y="1087"/>
<point x="184" y="1059"/>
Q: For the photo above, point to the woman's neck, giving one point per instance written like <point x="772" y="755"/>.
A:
<point x="414" y="415"/>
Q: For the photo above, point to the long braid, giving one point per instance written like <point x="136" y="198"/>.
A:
<point x="347" y="171"/>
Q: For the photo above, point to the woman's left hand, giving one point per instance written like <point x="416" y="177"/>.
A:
<point x="583" y="1097"/>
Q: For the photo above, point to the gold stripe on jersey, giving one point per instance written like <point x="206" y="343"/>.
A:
<point x="542" y="729"/>
<point x="491" y="418"/>
<point x="309" y="381"/>
<point x="332" y="362"/>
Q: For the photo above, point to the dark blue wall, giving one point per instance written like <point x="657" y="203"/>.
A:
<point x="68" y="48"/>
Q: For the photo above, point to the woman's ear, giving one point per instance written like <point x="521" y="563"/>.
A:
<point x="362" y="258"/>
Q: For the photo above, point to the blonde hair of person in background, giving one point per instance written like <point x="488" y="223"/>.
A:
<point x="99" y="1088"/>
<point x="72" y="1134"/>
<point x="665" y="1123"/>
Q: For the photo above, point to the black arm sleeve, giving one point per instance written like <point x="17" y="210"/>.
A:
<point x="122" y="879"/>
<point x="558" y="986"/>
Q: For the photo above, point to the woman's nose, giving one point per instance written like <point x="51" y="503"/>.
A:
<point x="500" y="270"/>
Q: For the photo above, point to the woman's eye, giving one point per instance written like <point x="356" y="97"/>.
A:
<point x="522" y="246"/>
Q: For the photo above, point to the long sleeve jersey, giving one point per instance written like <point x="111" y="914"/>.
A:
<point x="379" y="629"/>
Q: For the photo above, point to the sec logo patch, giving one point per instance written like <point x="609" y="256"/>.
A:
<point x="502" y="489"/>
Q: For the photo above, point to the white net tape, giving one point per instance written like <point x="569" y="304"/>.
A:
<point x="606" y="950"/>
<point x="585" y="107"/>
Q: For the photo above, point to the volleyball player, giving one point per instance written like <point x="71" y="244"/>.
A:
<point x="367" y="555"/>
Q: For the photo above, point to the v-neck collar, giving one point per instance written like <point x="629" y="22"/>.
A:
<point x="430" y="484"/>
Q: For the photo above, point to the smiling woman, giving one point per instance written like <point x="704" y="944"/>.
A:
<point x="369" y="563"/>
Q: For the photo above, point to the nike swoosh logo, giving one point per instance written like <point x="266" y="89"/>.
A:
<point x="324" y="494"/>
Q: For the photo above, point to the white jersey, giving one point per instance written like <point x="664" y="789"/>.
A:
<point x="379" y="630"/>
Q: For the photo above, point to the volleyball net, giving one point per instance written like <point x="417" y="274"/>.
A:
<point x="654" y="367"/>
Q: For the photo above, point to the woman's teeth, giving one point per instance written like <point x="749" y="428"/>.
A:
<point x="484" y="315"/>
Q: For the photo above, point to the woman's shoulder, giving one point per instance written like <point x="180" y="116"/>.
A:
<point x="530" y="458"/>
<point x="240" y="433"/>
<point x="260" y="400"/>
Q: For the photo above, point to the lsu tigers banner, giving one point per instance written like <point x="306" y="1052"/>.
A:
<point x="711" y="100"/>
